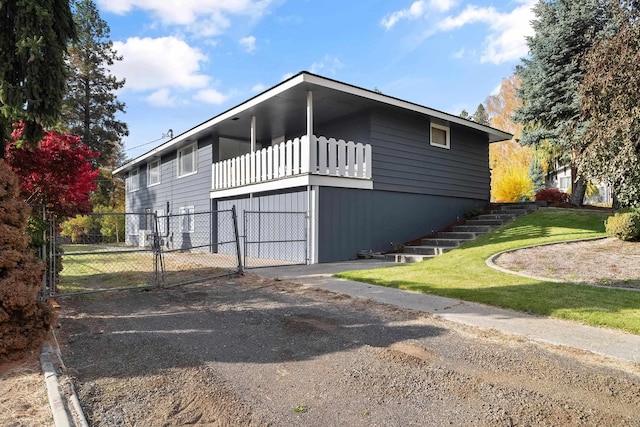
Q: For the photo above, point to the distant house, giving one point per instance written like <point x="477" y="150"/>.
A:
<point x="561" y="178"/>
<point x="366" y="168"/>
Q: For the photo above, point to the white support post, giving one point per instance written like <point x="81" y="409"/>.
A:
<point x="307" y="153"/>
<point x="309" y="114"/>
<point x="252" y="159"/>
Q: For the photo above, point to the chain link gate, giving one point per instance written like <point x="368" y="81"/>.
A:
<point x="274" y="238"/>
<point x="117" y="251"/>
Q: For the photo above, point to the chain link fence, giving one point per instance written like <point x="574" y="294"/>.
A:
<point x="274" y="238"/>
<point x="197" y="245"/>
<point x="114" y="251"/>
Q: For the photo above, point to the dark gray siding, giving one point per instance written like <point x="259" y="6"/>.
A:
<point x="403" y="159"/>
<point x="353" y="220"/>
<point x="356" y="127"/>
<point x="192" y="190"/>
<point x="270" y="227"/>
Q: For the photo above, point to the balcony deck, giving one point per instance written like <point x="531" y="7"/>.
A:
<point x="299" y="162"/>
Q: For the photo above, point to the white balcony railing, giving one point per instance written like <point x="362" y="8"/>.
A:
<point x="321" y="156"/>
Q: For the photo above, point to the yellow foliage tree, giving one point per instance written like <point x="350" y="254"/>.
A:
<point x="510" y="162"/>
<point x="510" y="179"/>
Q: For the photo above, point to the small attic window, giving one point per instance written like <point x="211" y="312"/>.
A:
<point x="440" y="136"/>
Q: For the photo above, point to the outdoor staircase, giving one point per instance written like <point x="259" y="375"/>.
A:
<point x="444" y="241"/>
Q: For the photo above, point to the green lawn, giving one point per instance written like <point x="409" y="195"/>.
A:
<point x="91" y="268"/>
<point x="91" y="271"/>
<point x="463" y="274"/>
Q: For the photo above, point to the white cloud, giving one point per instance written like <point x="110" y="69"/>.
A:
<point x="287" y="76"/>
<point x="259" y="88"/>
<point x="414" y="11"/>
<point x="508" y="30"/>
<point x="441" y="5"/>
<point x="461" y="53"/>
<point x="417" y="9"/>
<point x="328" y="65"/>
<point x="151" y="64"/>
<point x="162" y="98"/>
<point x="210" y="96"/>
<point x="211" y="16"/>
<point x="248" y="43"/>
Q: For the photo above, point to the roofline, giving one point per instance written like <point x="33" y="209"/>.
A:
<point x="302" y="77"/>
<point x="407" y="105"/>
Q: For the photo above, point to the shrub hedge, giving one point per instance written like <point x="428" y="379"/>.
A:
<point x="624" y="225"/>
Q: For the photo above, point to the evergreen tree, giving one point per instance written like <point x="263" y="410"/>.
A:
<point x="536" y="175"/>
<point x="610" y="99"/>
<point x="481" y="116"/>
<point x="91" y="105"/>
<point x="465" y="115"/>
<point x="34" y="35"/>
<point x="565" y="31"/>
<point x="33" y="42"/>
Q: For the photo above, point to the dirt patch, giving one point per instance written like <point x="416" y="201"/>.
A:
<point x="606" y="262"/>
<point x="23" y="395"/>
<point x="249" y="351"/>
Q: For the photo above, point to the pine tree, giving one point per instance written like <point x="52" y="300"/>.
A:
<point x="480" y="116"/>
<point x="565" y="31"/>
<point x="91" y="104"/>
<point x="33" y="42"/>
<point x="465" y="115"/>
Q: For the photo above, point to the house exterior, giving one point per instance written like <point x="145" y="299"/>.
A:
<point x="561" y="178"/>
<point x="366" y="169"/>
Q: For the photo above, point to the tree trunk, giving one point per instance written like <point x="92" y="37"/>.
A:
<point x="578" y="189"/>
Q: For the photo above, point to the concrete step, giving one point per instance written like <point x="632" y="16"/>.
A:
<point x="484" y="229"/>
<point x="406" y="258"/>
<point x="458" y="235"/>
<point x="493" y="222"/>
<point x="498" y="215"/>
<point x="427" y="250"/>
<point x="511" y="211"/>
<point x="442" y="242"/>
<point x="445" y="241"/>
<point x="520" y="204"/>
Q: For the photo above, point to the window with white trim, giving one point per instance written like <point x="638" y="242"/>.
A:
<point x="440" y="136"/>
<point x="133" y="180"/>
<point x="187" y="219"/>
<point x="564" y="183"/>
<point x="187" y="160"/>
<point x="153" y="172"/>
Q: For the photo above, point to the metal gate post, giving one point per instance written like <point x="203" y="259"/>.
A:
<point x="53" y="258"/>
<point x="235" y="230"/>
<point x="158" y="264"/>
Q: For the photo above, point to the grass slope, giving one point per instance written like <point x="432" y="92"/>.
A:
<point x="463" y="274"/>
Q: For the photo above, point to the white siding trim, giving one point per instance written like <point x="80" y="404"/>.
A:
<point x="297" y="181"/>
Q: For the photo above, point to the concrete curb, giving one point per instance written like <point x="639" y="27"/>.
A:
<point x="61" y="417"/>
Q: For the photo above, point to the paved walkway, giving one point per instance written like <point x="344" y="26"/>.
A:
<point x="606" y="342"/>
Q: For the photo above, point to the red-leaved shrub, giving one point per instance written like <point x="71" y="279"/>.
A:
<point x="552" y="195"/>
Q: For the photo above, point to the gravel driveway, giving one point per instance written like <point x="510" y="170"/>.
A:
<point x="249" y="351"/>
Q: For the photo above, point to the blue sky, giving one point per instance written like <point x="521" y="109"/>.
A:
<point x="186" y="61"/>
